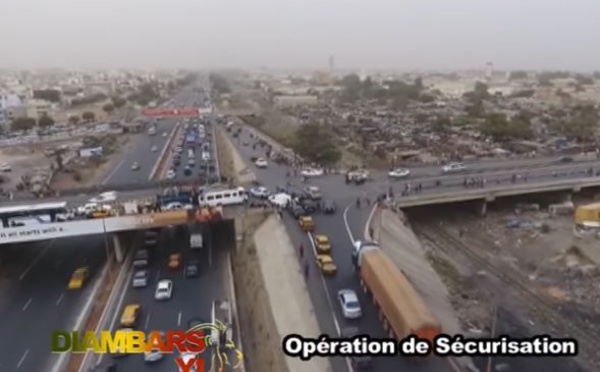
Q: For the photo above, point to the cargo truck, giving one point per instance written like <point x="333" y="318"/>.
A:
<point x="403" y="311"/>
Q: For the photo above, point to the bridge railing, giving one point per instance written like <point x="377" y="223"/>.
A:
<point x="156" y="185"/>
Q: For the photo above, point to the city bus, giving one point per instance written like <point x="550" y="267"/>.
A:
<point x="23" y="215"/>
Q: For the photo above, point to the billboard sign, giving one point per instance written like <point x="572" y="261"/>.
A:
<point x="171" y="112"/>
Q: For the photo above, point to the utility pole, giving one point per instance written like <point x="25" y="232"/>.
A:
<point x="493" y="333"/>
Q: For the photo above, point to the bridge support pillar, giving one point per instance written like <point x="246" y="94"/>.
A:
<point x="118" y="248"/>
<point x="483" y="208"/>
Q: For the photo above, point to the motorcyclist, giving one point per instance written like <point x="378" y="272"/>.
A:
<point x="358" y="202"/>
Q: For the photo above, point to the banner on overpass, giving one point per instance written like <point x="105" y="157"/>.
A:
<point x="50" y="231"/>
<point x="94" y="226"/>
<point x="147" y="221"/>
<point x="172" y="112"/>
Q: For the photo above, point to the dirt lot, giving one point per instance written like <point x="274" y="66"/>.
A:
<point x="24" y="160"/>
<point x="91" y="171"/>
<point x="522" y="268"/>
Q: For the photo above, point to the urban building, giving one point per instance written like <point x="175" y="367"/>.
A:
<point x="9" y="107"/>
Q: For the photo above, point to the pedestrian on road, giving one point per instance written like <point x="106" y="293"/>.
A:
<point x="301" y="251"/>
<point x="306" y="269"/>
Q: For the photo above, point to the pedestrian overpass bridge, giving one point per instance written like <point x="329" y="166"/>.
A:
<point x="114" y="225"/>
<point x="493" y="192"/>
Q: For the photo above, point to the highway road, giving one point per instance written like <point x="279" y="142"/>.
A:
<point x="323" y="291"/>
<point x="201" y="170"/>
<point x="34" y="299"/>
<point x="192" y="297"/>
<point x="140" y="150"/>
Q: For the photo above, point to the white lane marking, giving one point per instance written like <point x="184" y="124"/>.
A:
<point x="118" y="307"/>
<point x="179" y="319"/>
<point x="27" y="304"/>
<point x="60" y="298"/>
<point x="147" y="322"/>
<point x="35" y="260"/>
<point x="328" y="295"/>
<point x="346" y="223"/>
<point x="22" y="358"/>
<point x="112" y="172"/>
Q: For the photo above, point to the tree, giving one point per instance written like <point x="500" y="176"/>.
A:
<point x="518" y="75"/>
<point x="23" y="124"/>
<point x="315" y="144"/>
<point x="479" y="92"/>
<point x="219" y="83"/>
<point x="45" y="121"/>
<point x="498" y="127"/>
<point x="118" y="102"/>
<point x="74" y="120"/>
<point x="108" y="108"/>
<point x="88" y="116"/>
<point x="525" y="93"/>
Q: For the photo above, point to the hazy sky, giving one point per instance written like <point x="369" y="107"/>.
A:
<point x="403" y="34"/>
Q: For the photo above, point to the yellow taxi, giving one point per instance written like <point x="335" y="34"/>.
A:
<point x="325" y="263"/>
<point x="322" y="243"/>
<point x="130" y="315"/>
<point x="101" y="213"/>
<point x="78" y="278"/>
<point x="174" y="261"/>
<point x="306" y="223"/>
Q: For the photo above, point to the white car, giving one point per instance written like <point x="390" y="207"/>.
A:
<point x="281" y="200"/>
<point x="453" y="168"/>
<point x="349" y="303"/>
<point x="312" y="172"/>
<point x="107" y="196"/>
<point x="171" y="174"/>
<point x="164" y="134"/>
<point x="5" y="168"/>
<point x="261" y="163"/>
<point x="154" y="355"/>
<point x="399" y="173"/>
<point x="259" y="192"/>
<point x="135" y="166"/>
<point x="154" y="149"/>
<point x="205" y="155"/>
<point x="164" y="290"/>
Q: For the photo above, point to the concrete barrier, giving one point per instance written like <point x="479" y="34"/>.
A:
<point x="88" y="359"/>
<point x="239" y="342"/>
<point x="163" y="152"/>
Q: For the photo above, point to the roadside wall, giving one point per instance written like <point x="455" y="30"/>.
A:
<point x="230" y="159"/>
<point x="290" y="302"/>
<point x="405" y="249"/>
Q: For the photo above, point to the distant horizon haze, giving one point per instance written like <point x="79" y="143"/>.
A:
<point x="403" y="35"/>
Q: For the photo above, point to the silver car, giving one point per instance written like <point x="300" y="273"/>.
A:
<point x="140" y="279"/>
<point x="350" y="304"/>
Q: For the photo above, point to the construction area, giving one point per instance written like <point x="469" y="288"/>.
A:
<point x="519" y="271"/>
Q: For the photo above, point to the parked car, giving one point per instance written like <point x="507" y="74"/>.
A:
<point x="164" y="290"/>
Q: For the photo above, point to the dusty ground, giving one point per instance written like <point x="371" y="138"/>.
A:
<point x="543" y="262"/>
<point x="63" y="115"/>
<point x="91" y="172"/>
<point x="231" y="163"/>
<point x="262" y="347"/>
<point x="24" y="160"/>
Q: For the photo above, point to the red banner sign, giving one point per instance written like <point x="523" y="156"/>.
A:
<point x="172" y="112"/>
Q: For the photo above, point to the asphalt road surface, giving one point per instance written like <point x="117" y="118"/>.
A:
<point x="140" y="150"/>
<point x="323" y="291"/>
<point x="200" y="168"/>
<point x="35" y="300"/>
<point x="192" y="297"/>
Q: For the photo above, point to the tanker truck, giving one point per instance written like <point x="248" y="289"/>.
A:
<point x="402" y="309"/>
